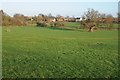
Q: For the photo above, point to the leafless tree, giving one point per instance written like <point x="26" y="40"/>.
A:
<point x="92" y="19"/>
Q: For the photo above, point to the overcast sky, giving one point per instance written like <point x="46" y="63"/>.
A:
<point x="62" y="7"/>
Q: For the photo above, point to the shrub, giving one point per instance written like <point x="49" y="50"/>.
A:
<point x="41" y="24"/>
<point x="51" y="24"/>
<point x="56" y="24"/>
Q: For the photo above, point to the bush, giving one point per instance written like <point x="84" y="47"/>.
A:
<point x="56" y="24"/>
<point x="12" y="21"/>
<point x="41" y="24"/>
<point x="51" y="24"/>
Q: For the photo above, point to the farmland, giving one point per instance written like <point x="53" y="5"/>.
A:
<point x="36" y="52"/>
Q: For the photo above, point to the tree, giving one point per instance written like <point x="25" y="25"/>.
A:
<point x="6" y="20"/>
<point x="41" y="18"/>
<point x="58" y="16"/>
<point x="50" y="15"/>
<point x="42" y="15"/>
<point x="41" y="24"/>
<point x="20" y="18"/>
<point x="17" y="20"/>
<point x="92" y="19"/>
<point x="109" y="21"/>
<point x="56" y="24"/>
<point x="83" y="22"/>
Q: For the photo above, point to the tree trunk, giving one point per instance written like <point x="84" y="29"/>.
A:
<point x="91" y="29"/>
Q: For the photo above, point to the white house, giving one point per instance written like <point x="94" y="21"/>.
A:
<point x="52" y="19"/>
<point x="78" y="19"/>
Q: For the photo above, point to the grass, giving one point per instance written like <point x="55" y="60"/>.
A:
<point x="35" y="52"/>
<point x="115" y="26"/>
<point x="72" y="24"/>
<point x="77" y="24"/>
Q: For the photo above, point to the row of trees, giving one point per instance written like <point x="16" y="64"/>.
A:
<point x="48" y="20"/>
<point x="91" y="19"/>
<point x="21" y="20"/>
<point x="17" y="20"/>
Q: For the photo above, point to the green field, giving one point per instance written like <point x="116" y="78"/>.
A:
<point x="77" y="24"/>
<point x="72" y="24"/>
<point x="51" y="53"/>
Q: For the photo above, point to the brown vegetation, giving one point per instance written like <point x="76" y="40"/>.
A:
<point x="17" y="20"/>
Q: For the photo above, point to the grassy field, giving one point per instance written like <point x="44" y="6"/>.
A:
<point x="72" y="24"/>
<point x="77" y="24"/>
<point x="51" y="53"/>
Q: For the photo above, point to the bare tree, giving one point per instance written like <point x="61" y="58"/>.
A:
<point x="49" y="15"/>
<point x="92" y="19"/>
<point x="41" y="15"/>
<point x="58" y="15"/>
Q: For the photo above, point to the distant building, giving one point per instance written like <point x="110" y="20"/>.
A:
<point x="79" y="19"/>
<point x="29" y="18"/>
<point x="60" y="19"/>
<point x="66" y="19"/>
<point x="51" y="19"/>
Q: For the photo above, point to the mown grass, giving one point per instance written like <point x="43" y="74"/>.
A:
<point x="49" y="53"/>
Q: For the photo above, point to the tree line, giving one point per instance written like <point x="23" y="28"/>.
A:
<point x="17" y="20"/>
<point x="21" y="20"/>
<point x="90" y="19"/>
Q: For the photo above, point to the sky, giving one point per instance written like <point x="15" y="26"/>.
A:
<point x="72" y="8"/>
<point x="59" y="0"/>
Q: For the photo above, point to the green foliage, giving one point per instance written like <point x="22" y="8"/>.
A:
<point x="32" y="52"/>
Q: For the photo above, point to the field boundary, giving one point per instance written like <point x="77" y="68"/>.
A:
<point x="84" y="28"/>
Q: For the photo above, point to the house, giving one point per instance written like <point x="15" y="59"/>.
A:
<point x="51" y="19"/>
<point x="79" y="19"/>
<point x="40" y="15"/>
<point x="60" y="19"/>
<point x="66" y="19"/>
<point x="29" y="18"/>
